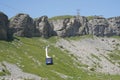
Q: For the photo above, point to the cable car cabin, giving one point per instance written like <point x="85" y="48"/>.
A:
<point x="49" y="61"/>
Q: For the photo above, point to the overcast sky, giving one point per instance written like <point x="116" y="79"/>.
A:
<point x="37" y="8"/>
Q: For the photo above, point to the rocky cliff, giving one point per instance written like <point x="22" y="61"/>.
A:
<point x="3" y="26"/>
<point x="23" y="25"/>
<point x="43" y="27"/>
<point x="71" y="27"/>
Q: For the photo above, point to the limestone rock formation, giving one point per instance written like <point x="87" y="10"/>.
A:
<point x="114" y="23"/>
<point x="57" y="26"/>
<point x="43" y="27"/>
<point x="22" y="25"/>
<point x="98" y="26"/>
<point x="71" y="26"/>
<point x="67" y="27"/>
<point x="84" y="29"/>
<point x="3" y="26"/>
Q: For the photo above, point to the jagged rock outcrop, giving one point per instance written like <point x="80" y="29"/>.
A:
<point x="98" y="26"/>
<point x="84" y="29"/>
<point x="21" y="25"/>
<point x="114" y="24"/>
<point x="3" y="26"/>
<point x="43" y="27"/>
<point x="58" y="26"/>
<point x="71" y="27"/>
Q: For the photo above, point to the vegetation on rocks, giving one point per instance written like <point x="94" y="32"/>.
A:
<point x="61" y="17"/>
<point x="90" y="17"/>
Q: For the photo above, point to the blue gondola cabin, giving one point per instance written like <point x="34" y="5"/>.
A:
<point x="49" y="60"/>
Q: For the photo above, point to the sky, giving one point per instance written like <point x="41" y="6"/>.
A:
<point x="51" y="8"/>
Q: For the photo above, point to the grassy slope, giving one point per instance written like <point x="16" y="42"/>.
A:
<point x="61" y="17"/>
<point x="29" y="54"/>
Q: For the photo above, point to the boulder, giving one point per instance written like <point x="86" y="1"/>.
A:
<point x="21" y="25"/>
<point x="3" y="26"/>
<point x="43" y="27"/>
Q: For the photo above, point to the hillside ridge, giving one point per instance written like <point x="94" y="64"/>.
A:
<point x="25" y="26"/>
<point x="74" y="58"/>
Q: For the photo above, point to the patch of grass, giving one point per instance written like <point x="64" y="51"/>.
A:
<point x="61" y="17"/>
<point x="79" y="37"/>
<point x="115" y="55"/>
<point x="94" y="56"/>
<point x="4" y="71"/>
<point x="108" y="59"/>
<point x="53" y="39"/>
<point x="90" y="17"/>
<point x="117" y="37"/>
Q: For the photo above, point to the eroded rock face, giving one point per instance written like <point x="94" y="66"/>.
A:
<point x="84" y="29"/>
<point x="68" y="27"/>
<point x="114" y="23"/>
<point x="22" y="25"/>
<point x="71" y="27"/>
<point x="98" y="26"/>
<point x="43" y="27"/>
<point x="3" y="26"/>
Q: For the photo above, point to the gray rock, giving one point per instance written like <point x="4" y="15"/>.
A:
<point x="3" y="26"/>
<point x="98" y="26"/>
<point x="71" y="26"/>
<point x="43" y="27"/>
<point x="22" y="25"/>
<point x="57" y="26"/>
<point x="79" y="25"/>
<point x="114" y="23"/>
<point x="83" y="30"/>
